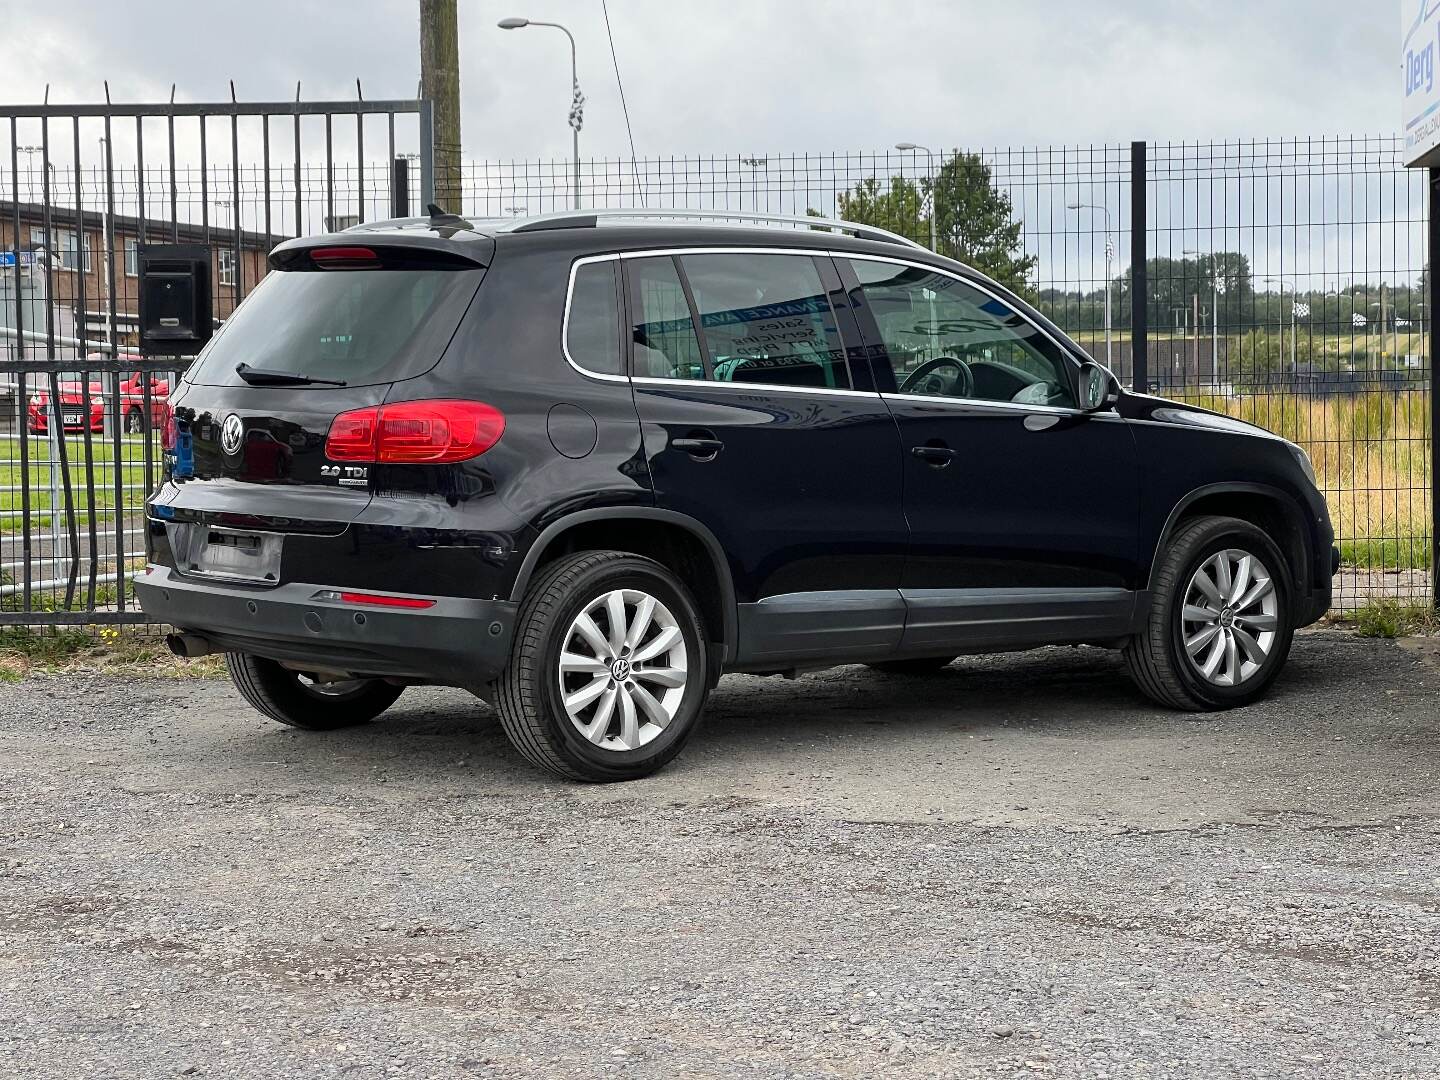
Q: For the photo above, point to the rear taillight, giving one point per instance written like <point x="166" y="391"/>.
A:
<point x="170" y="435"/>
<point x="415" y="432"/>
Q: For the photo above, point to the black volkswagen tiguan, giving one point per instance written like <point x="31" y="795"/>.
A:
<point x="584" y="464"/>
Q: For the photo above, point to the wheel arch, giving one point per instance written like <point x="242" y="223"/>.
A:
<point x="1259" y="504"/>
<point x="680" y="543"/>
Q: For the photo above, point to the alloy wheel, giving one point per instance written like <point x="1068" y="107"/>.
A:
<point x="1230" y="617"/>
<point x="622" y="669"/>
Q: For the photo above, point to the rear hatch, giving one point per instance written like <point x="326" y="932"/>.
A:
<point x="329" y="330"/>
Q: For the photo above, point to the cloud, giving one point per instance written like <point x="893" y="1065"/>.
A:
<point x="735" y="76"/>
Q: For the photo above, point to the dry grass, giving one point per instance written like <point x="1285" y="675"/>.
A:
<point x="115" y="650"/>
<point x="1371" y="455"/>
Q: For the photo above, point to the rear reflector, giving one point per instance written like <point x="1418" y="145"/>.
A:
<point x="372" y="599"/>
<point x="415" y="432"/>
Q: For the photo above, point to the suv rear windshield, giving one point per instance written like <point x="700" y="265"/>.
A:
<point x="358" y="326"/>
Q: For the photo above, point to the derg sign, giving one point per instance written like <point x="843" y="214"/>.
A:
<point x="1419" y="43"/>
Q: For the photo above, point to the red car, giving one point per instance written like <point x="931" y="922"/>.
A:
<point x="74" y="405"/>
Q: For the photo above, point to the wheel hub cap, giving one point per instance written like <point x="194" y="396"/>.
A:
<point x="1230" y="617"/>
<point x="622" y="670"/>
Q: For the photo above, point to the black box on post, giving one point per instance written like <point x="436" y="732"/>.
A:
<point x="175" y="304"/>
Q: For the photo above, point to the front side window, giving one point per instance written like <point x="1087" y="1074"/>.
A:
<point x="766" y="319"/>
<point x="592" y="328"/>
<point x="948" y="339"/>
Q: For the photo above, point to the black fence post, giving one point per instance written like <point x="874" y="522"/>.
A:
<point x="1432" y="278"/>
<point x="400" y="188"/>
<point x="1139" y="287"/>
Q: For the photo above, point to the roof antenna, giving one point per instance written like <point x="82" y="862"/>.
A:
<point x="440" y="219"/>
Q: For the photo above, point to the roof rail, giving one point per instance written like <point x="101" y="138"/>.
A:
<point x="587" y="219"/>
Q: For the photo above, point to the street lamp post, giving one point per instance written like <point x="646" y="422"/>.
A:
<point x="756" y="164"/>
<point x="577" y="99"/>
<point x="1282" y="282"/>
<point x="1214" y="313"/>
<point x="30" y="152"/>
<point x="1109" y="256"/>
<point x="910" y="147"/>
<point x="106" y="241"/>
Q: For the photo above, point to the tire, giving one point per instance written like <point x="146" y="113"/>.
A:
<point x="283" y="695"/>
<point x="1158" y="658"/>
<point x="921" y="665"/>
<point x="614" y="733"/>
<point x="134" y="422"/>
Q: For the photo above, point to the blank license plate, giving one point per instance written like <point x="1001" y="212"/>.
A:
<point x="248" y="556"/>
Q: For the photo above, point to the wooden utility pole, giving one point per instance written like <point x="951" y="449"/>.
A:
<point x="440" y="85"/>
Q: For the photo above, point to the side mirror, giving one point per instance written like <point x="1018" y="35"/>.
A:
<point x="1098" y="389"/>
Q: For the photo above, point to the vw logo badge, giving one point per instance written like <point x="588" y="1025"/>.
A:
<point x="231" y="434"/>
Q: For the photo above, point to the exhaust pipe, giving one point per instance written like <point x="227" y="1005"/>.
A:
<point x="190" y="646"/>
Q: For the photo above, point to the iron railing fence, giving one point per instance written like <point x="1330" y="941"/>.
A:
<point x="1283" y="280"/>
<point x="81" y="189"/>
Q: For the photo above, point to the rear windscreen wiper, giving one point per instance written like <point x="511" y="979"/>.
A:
<point x="256" y="377"/>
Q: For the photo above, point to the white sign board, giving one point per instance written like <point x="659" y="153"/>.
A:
<point x="1419" y="60"/>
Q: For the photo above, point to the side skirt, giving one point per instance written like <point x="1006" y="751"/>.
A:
<point x="821" y="629"/>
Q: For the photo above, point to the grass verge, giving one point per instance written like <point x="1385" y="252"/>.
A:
<point x="1391" y="619"/>
<point x="107" y="650"/>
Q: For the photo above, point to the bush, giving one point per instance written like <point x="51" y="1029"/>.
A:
<point x="1392" y="619"/>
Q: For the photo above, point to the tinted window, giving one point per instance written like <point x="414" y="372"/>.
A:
<point x="362" y="326"/>
<point x="664" y="345"/>
<point x="947" y="338"/>
<point x="592" y="334"/>
<point x="766" y="319"/>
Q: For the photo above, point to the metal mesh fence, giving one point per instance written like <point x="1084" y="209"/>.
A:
<point x="1283" y="282"/>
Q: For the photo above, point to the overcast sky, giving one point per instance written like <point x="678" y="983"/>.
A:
<point x="734" y="76"/>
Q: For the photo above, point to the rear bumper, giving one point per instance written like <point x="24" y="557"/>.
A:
<point x="458" y="642"/>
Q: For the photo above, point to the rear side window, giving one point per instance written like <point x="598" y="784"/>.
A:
<point x="663" y="341"/>
<point x="592" y="329"/>
<point x="766" y="319"/>
<point x="358" y="326"/>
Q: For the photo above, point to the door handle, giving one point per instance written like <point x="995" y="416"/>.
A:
<point x="938" y="456"/>
<point x="699" y="448"/>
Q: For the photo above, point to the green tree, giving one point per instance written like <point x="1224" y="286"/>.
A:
<point x="1175" y="285"/>
<point x="974" y="220"/>
<point x="900" y="207"/>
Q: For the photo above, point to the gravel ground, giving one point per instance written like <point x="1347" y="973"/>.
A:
<point x="1014" y="868"/>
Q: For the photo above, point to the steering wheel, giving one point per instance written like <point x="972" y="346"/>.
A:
<point x="926" y="379"/>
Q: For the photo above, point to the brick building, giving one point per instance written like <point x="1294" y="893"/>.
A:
<point x="80" y="270"/>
